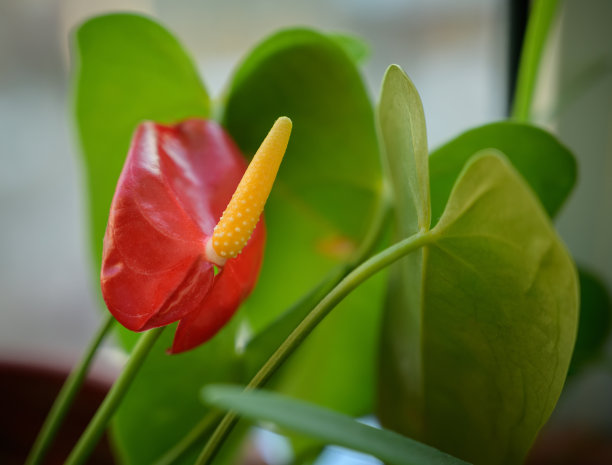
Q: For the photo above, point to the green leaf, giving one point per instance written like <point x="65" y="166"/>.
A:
<point x="402" y="128"/>
<point x="322" y="202"/>
<point x="595" y="321"/>
<point x="326" y="425"/>
<point x="401" y="121"/>
<point x="467" y="363"/>
<point x="547" y="165"/>
<point x="354" y="47"/>
<point x="264" y="343"/>
<point x="331" y="165"/>
<point x="498" y="320"/>
<point x="130" y="69"/>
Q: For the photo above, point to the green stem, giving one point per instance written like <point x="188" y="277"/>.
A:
<point x="97" y="425"/>
<point x="376" y="230"/>
<point x="540" y="19"/>
<point x="350" y="282"/>
<point x="199" y="431"/>
<point x="64" y="399"/>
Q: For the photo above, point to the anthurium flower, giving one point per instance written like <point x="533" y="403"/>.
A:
<point x="176" y="248"/>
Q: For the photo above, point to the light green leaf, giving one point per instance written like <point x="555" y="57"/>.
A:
<point x="402" y="127"/>
<point x="547" y="165"/>
<point x="499" y="318"/>
<point x="401" y="123"/>
<point x="326" y="425"/>
<point x="321" y="205"/>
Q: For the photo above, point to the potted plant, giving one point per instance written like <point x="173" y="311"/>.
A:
<point x="429" y="288"/>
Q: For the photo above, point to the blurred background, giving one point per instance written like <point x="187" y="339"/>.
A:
<point x="455" y="52"/>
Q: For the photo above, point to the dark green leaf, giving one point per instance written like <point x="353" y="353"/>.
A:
<point x="595" y="321"/>
<point x="547" y="165"/>
<point x="326" y="425"/>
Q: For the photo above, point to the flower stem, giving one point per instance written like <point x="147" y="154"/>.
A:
<point x="203" y="427"/>
<point x="540" y="19"/>
<point x="97" y="425"/>
<point x="350" y="282"/>
<point x="66" y="396"/>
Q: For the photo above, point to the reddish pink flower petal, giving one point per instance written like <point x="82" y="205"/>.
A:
<point x="174" y="186"/>
<point x="223" y="300"/>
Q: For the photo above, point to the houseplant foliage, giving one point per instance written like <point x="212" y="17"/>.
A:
<point x="465" y="347"/>
<point x="493" y="288"/>
<point x="272" y="79"/>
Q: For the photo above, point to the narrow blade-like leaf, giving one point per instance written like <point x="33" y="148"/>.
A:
<point x="326" y="425"/>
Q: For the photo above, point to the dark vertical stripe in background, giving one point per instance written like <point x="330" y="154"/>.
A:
<point x="518" y="11"/>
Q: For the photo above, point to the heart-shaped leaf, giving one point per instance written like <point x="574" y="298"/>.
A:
<point x="494" y="316"/>
<point x="500" y="312"/>
<point x="328" y="184"/>
<point x="499" y="315"/>
<point x="321" y="205"/>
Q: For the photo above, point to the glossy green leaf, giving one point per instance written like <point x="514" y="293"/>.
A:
<point x="595" y="321"/>
<point x="326" y="425"/>
<point x="321" y="205"/>
<point x="330" y="178"/>
<point x="546" y="164"/>
<point x="499" y="317"/>
<point x="130" y="69"/>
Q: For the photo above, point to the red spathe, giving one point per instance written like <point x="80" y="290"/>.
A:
<point x="175" y="184"/>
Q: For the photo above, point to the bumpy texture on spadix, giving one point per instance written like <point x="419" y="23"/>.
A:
<point x="243" y="212"/>
<point x="175" y="184"/>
